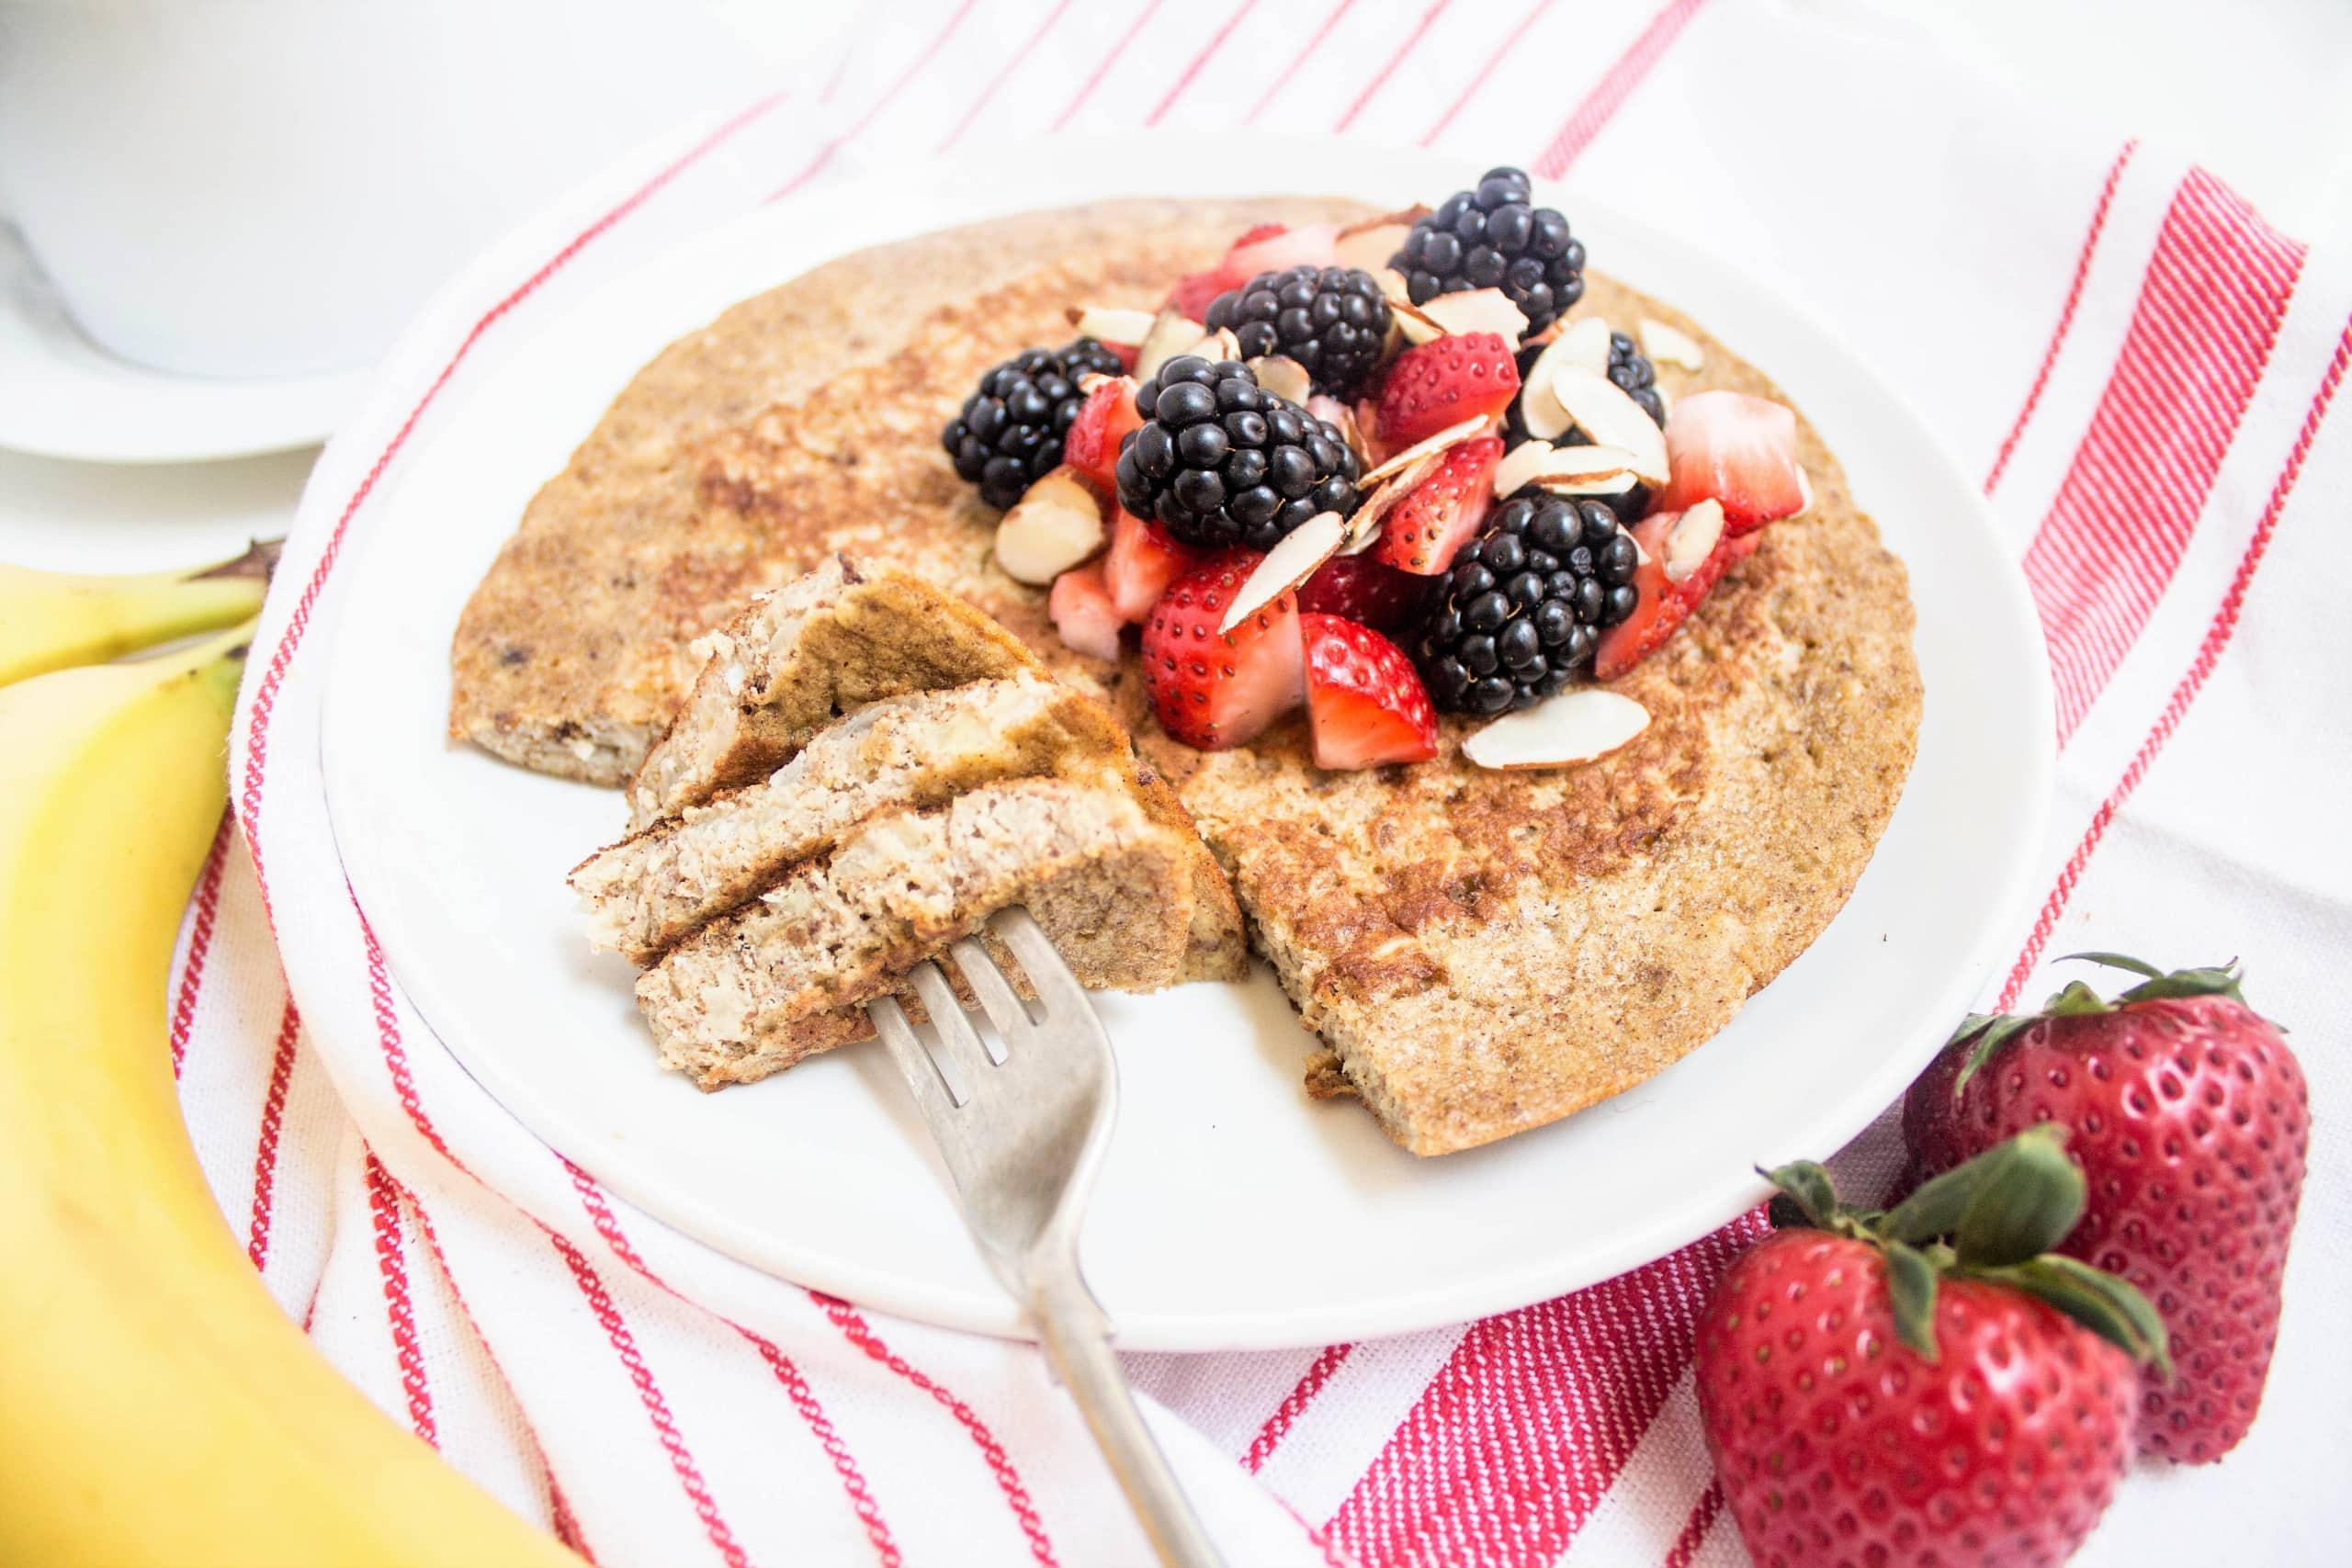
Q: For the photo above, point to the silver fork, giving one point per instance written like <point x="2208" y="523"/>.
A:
<point x="1023" y="1134"/>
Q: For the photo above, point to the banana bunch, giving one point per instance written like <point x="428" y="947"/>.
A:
<point x="51" y="620"/>
<point x="155" y="1405"/>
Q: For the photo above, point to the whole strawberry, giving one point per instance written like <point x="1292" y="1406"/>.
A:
<point x="1873" y="1394"/>
<point x="2190" y="1118"/>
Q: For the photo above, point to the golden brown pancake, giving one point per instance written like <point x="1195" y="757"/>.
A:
<point x="1483" y="952"/>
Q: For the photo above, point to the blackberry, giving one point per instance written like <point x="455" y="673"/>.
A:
<point x="1495" y="237"/>
<point x="1525" y="604"/>
<point x="1332" y="319"/>
<point x="1631" y="370"/>
<point x="1219" y="460"/>
<point x="1010" y="432"/>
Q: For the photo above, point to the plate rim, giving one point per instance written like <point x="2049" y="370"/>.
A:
<point x="946" y="1305"/>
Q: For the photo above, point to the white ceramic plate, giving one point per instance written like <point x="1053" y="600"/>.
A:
<point x="1232" y="1210"/>
<point x="60" y="396"/>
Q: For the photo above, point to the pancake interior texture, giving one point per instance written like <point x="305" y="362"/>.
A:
<point x="1481" y="952"/>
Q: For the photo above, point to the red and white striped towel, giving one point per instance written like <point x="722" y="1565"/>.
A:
<point x="2141" y="367"/>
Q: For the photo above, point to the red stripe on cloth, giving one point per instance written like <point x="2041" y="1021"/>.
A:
<point x="289" y="641"/>
<point x="1216" y="40"/>
<point x="1479" y="80"/>
<point x="648" y="1394"/>
<point x="1020" y="56"/>
<point x="273" y="1112"/>
<point x="1524" y="1429"/>
<point x="1278" y="1425"/>
<point x="200" y="941"/>
<point x="2199" y="337"/>
<point x="383" y="1206"/>
<point x="389" y="1042"/>
<point x="1388" y="67"/>
<point x="856" y="1329"/>
<point x="889" y="95"/>
<point x="2065" y="314"/>
<point x="2209" y="652"/>
<point x="796" y="1386"/>
<point x="1306" y="52"/>
<point x="1695" y="1528"/>
<point x="1616" y="85"/>
<point x="1094" y="77"/>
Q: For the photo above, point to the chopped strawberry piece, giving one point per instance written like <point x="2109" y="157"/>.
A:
<point x="1125" y="353"/>
<point x="1145" y="559"/>
<point x="1194" y="293"/>
<point x="1213" y="689"/>
<point x="1103" y="420"/>
<point x="1361" y="588"/>
<point x="1664" y="605"/>
<point x="1084" y="614"/>
<point x="1442" y="383"/>
<point x="1255" y="252"/>
<point x="1445" y="512"/>
<point x="1365" y="702"/>
<point x="1738" y="449"/>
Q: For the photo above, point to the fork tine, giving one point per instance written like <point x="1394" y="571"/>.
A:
<point x="1056" y="986"/>
<point x="933" y="1092"/>
<point x="956" y="1031"/>
<point x="998" y="998"/>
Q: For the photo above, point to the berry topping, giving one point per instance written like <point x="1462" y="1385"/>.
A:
<point x="1213" y="689"/>
<point x="1221" y="461"/>
<point x="1430" y="524"/>
<point x="1526" y="604"/>
<point x="1739" y="450"/>
<point x="1495" y="237"/>
<point x="1439" y="384"/>
<point x="1364" y="703"/>
<point x="1103" y="422"/>
<point x="1665" y="601"/>
<point x="1331" y="320"/>
<point x="1363" y="588"/>
<point x="1084" y="614"/>
<point x="1010" y="432"/>
<point x="1144" y="559"/>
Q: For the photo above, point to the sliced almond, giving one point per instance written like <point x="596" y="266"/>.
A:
<point x="1289" y="563"/>
<point x="1478" y="311"/>
<point x="1106" y="324"/>
<point x="1671" y="345"/>
<point x="1608" y="413"/>
<point x="1284" y="377"/>
<point x="1572" y="467"/>
<point x="1381" y="498"/>
<point x="1518" y="468"/>
<point x="1693" y="538"/>
<point x="1169" y="333"/>
<point x="1539" y="411"/>
<point x="1056" y="524"/>
<point x="1585" y="341"/>
<point x="1217" y="346"/>
<point x="1452" y="435"/>
<point x="1563" y="731"/>
<point x="1369" y="245"/>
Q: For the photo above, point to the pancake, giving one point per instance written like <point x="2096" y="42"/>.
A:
<point x="1481" y="953"/>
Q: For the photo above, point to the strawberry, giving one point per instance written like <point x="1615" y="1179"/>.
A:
<point x="1270" y="247"/>
<point x="1874" y="1393"/>
<point x="1144" y="559"/>
<point x="1091" y="446"/>
<point x="1439" y="384"/>
<point x="1196" y="292"/>
<point x="1213" y="689"/>
<point x="2191" y="1120"/>
<point x="1359" y="588"/>
<point x="1444" y="510"/>
<point x="1740" y="450"/>
<point x="1665" y="605"/>
<point x="1365" y="699"/>
<point x="1082" y="612"/>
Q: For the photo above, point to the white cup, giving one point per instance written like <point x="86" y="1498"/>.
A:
<point x="271" y="188"/>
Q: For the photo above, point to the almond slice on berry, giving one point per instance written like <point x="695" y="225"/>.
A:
<point x="1666" y="345"/>
<point x="1291" y="562"/>
<point x="1431" y="447"/>
<point x="1369" y="244"/>
<point x="1056" y="524"/>
<point x="1478" y="311"/>
<point x="1380" y="499"/>
<point x="1564" y="731"/>
<point x="1171" y="334"/>
<point x="1106" y="324"/>
<point x="1519" y="465"/>
<point x="1609" y="415"/>
<point x="1220" y="345"/>
<point x="1587" y="470"/>
<point x="1582" y="342"/>
<point x="1284" y="377"/>
<point x="1692" y="540"/>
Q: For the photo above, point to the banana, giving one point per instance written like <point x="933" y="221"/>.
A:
<point x="155" y="1405"/>
<point x="51" y="620"/>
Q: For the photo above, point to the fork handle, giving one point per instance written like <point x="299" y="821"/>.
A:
<point x="1077" y="1340"/>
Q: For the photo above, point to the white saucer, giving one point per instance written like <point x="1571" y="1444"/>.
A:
<point x="61" y="396"/>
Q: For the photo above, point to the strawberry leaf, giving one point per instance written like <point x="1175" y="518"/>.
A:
<point x="2105" y="1305"/>
<point x="1911" y="1291"/>
<point x="1806" y="1185"/>
<point x="2028" y="1195"/>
